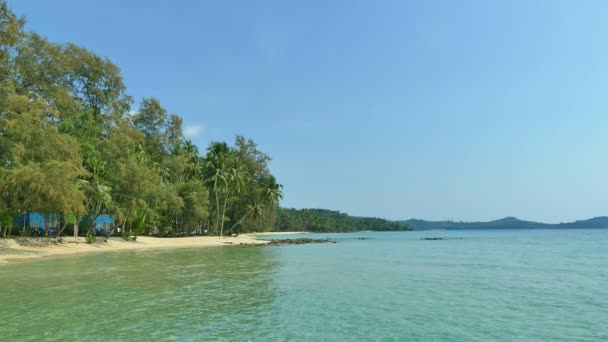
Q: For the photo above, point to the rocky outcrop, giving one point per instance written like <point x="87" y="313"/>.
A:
<point x="301" y="241"/>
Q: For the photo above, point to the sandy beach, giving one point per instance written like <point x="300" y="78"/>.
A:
<point x="31" y="248"/>
<point x="13" y="249"/>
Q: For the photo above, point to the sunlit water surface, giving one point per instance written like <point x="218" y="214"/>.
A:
<point x="480" y="286"/>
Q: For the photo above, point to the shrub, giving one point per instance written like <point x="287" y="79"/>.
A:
<point x="127" y="236"/>
<point x="91" y="238"/>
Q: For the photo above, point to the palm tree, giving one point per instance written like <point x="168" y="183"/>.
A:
<point x="272" y="194"/>
<point x="194" y="162"/>
<point x="216" y="173"/>
<point x="98" y="194"/>
<point x="236" y="177"/>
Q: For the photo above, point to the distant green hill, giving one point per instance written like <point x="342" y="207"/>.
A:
<point x="322" y="220"/>
<point x="506" y="223"/>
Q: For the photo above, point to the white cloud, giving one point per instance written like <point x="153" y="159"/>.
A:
<point x="193" y="131"/>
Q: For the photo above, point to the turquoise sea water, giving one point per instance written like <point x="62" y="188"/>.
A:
<point x="480" y="286"/>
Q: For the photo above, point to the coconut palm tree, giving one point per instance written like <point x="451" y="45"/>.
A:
<point x="273" y="192"/>
<point x="271" y="195"/>
<point x="216" y="173"/>
<point x="255" y="210"/>
<point x="98" y="194"/>
<point x="236" y="178"/>
<point x="194" y="164"/>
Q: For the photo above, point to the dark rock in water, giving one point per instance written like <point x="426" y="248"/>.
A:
<point x="280" y="242"/>
<point x="363" y="238"/>
<point x="432" y="238"/>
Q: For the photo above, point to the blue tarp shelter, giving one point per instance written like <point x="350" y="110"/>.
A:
<point x="101" y="224"/>
<point x="37" y="220"/>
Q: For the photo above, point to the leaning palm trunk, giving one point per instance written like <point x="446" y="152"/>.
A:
<point x="92" y="224"/>
<point x="240" y="220"/>
<point x="115" y="226"/>
<point x="65" y="224"/>
<point x="61" y="230"/>
<point x="224" y="213"/>
<point x="217" y="206"/>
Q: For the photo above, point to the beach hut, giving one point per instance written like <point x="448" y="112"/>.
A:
<point x="102" y="224"/>
<point x="38" y="222"/>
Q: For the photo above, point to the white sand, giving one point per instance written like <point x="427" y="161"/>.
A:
<point x="11" y="249"/>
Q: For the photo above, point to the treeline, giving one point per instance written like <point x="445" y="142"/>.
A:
<point x="72" y="145"/>
<point x="321" y="220"/>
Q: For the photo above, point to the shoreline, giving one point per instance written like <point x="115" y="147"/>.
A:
<point x="12" y="250"/>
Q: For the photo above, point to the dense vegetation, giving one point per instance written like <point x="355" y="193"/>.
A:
<point x="321" y="220"/>
<point x="506" y="223"/>
<point x="71" y="144"/>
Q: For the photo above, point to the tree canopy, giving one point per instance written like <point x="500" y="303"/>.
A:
<point x="73" y="144"/>
<point x="325" y="221"/>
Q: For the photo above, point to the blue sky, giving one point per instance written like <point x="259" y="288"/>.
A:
<point x="463" y="110"/>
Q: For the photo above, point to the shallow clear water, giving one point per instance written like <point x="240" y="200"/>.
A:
<point x="489" y="285"/>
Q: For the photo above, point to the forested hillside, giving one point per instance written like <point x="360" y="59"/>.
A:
<point x="321" y="220"/>
<point x="507" y="223"/>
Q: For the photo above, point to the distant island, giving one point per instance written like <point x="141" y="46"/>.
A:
<point x="506" y="223"/>
<point x="331" y="221"/>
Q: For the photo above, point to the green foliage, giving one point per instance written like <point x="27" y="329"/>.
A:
<point x="325" y="221"/>
<point x="127" y="236"/>
<point x="70" y="144"/>
<point x="91" y="238"/>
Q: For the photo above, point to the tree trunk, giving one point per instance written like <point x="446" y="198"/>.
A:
<point x="224" y="213"/>
<point x="8" y="231"/>
<point x="240" y="220"/>
<point x="114" y="227"/>
<point x="76" y="227"/>
<point x="47" y="224"/>
<point x="217" y="206"/>
<point x="124" y="222"/>
<point x="23" y="230"/>
<point x="65" y="224"/>
<point x="92" y="223"/>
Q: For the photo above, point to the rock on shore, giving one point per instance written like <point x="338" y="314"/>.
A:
<point x="301" y="241"/>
